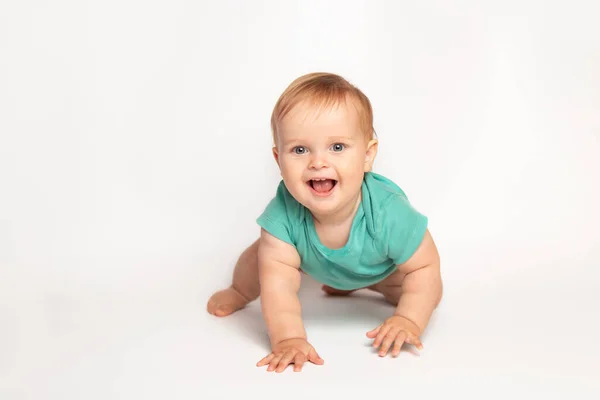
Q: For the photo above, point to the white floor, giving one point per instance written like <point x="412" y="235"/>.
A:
<point x="134" y="140"/>
<point x="485" y="342"/>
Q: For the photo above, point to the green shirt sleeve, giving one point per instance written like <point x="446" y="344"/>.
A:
<point x="275" y="219"/>
<point x="403" y="229"/>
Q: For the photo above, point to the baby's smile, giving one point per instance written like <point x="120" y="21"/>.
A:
<point x="322" y="187"/>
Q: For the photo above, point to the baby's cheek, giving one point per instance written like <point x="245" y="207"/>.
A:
<point x="347" y="164"/>
<point x="355" y="168"/>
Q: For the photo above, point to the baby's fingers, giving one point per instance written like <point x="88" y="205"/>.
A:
<point x="408" y="338"/>
<point x="398" y="342"/>
<point x="382" y="332"/>
<point x="374" y="332"/>
<point x="274" y="362"/>
<point x="299" y="361"/>
<point x="314" y="357"/>
<point x="265" y="360"/>
<point x="393" y="336"/>
<point x="415" y="341"/>
<point x="286" y="360"/>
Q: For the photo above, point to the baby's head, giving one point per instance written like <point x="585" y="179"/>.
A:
<point x="323" y="141"/>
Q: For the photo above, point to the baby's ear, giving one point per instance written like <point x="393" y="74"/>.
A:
<point x="276" y="154"/>
<point x="371" y="153"/>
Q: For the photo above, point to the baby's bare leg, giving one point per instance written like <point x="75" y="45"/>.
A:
<point x="390" y="287"/>
<point x="244" y="287"/>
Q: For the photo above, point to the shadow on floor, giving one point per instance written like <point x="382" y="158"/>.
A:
<point x="363" y="307"/>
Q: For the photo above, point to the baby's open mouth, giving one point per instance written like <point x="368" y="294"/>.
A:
<point x="322" y="185"/>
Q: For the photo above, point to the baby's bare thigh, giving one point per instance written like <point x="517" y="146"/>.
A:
<point x="390" y="287"/>
<point x="392" y="281"/>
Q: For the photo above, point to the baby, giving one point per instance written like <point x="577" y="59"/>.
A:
<point x="335" y="220"/>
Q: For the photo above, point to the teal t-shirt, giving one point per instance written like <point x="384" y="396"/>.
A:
<point x="385" y="232"/>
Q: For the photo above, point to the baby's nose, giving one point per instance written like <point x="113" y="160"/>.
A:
<point x="318" y="161"/>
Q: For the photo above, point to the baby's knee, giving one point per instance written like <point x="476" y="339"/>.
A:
<point x="251" y="252"/>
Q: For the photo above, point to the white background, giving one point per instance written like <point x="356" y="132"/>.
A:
<point x="135" y="157"/>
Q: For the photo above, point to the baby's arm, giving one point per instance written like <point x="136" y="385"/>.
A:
<point x="279" y="274"/>
<point x="420" y="294"/>
<point x="422" y="284"/>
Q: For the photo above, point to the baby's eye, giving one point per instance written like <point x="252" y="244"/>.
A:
<point x="299" y="150"/>
<point x="337" y="147"/>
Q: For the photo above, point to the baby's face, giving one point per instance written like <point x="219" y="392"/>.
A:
<point x="323" y="157"/>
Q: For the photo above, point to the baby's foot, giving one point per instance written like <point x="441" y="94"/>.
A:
<point x="225" y="302"/>
<point x="335" y="292"/>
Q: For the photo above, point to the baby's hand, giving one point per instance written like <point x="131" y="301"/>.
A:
<point x="290" y="351"/>
<point x="396" y="330"/>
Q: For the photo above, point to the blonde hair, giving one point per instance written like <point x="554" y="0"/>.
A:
<point x="323" y="90"/>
